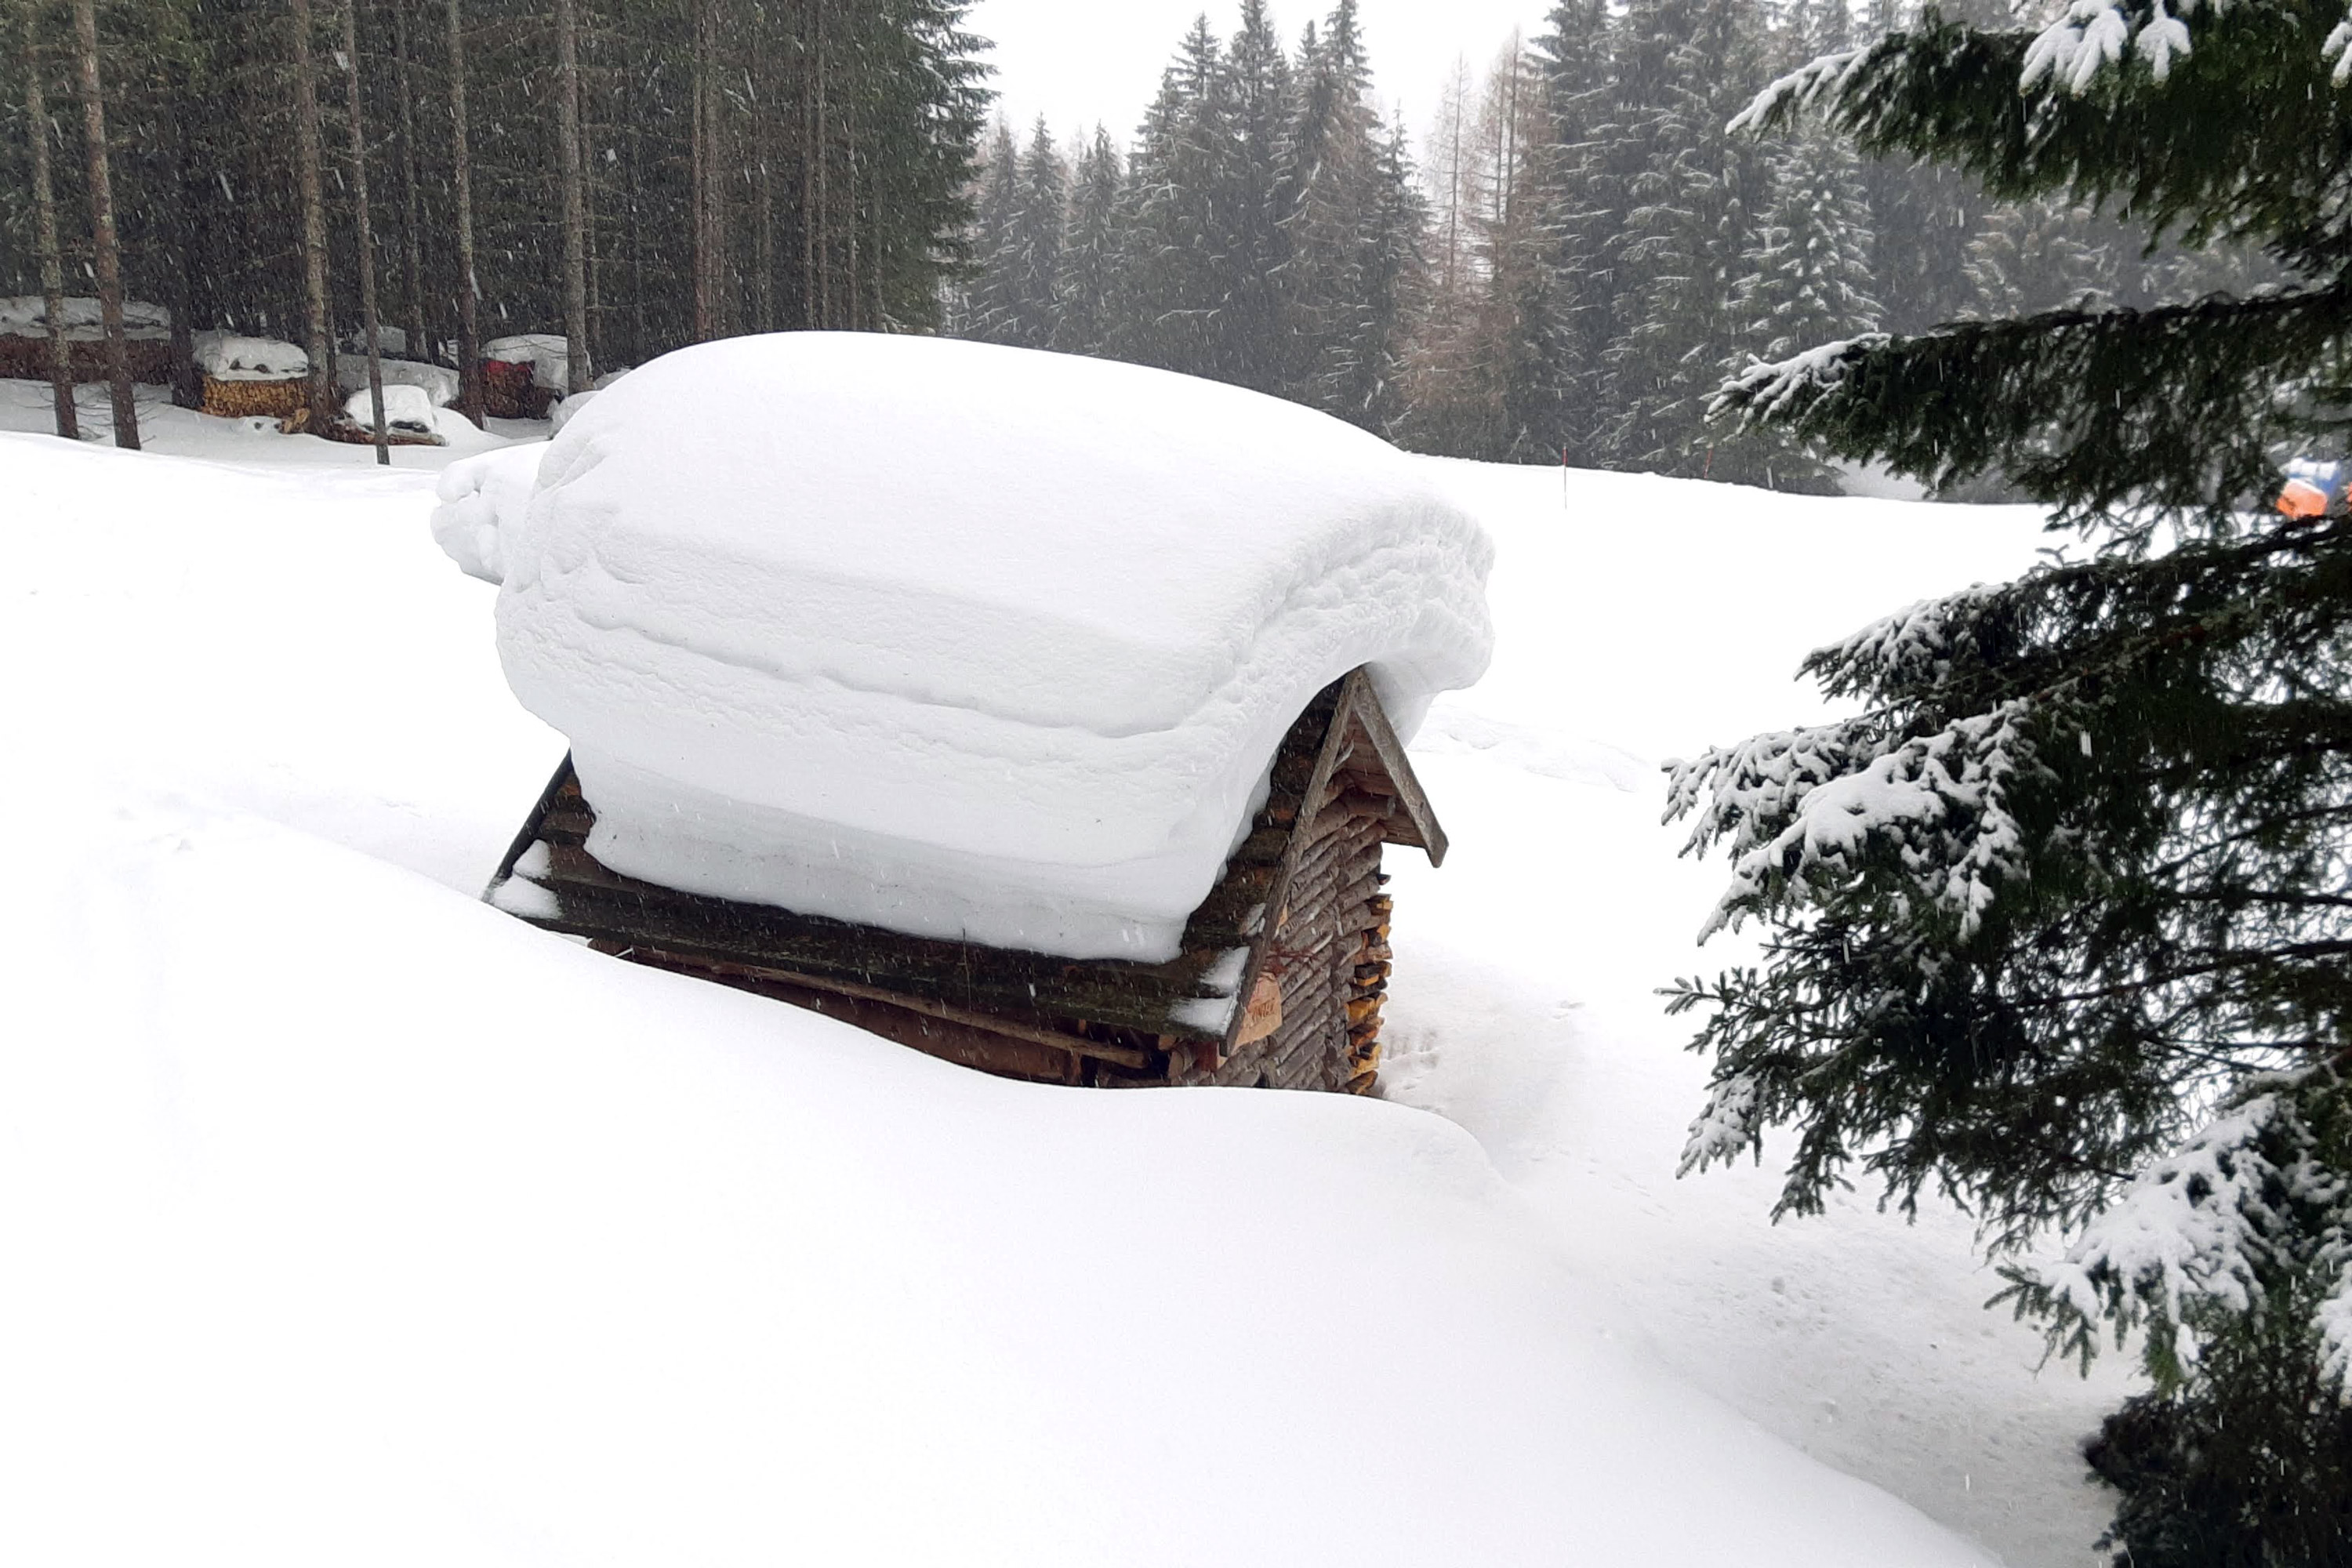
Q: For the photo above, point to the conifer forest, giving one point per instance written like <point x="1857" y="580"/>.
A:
<point x="1560" y="265"/>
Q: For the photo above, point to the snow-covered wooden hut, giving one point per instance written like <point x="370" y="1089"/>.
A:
<point x="1041" y="713"/>
<point x="25" y="339"/>
<point x="246" y="377"/>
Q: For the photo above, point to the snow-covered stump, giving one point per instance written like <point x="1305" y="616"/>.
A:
<point x="1040" y="713"/>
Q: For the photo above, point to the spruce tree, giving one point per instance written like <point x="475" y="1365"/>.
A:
<point x="1691" y="192"/>
<point x="1032" y="262"/>
<point x="1584" y="215"/>
<point x="1175" y="277"/>
<point x="1338" y="321"/>
<point x="1807" y="283"/>
<point x="2028" y="257"/>
<point x="1248" y="182"/>
<point x="2058" y="924"/>
<point x="1089" y="255"/>
<point x="987" y="310"/>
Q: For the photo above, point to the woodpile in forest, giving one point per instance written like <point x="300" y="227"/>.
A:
<point x="1279" y="982"/>
<point x="511" y="391"/>
<point x="25" y="357"/>
<point x="245" y="399"/>
<point x="25" y="339"/>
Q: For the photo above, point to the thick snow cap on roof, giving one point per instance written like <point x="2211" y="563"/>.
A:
<point x="230" y="356"/>
<point x="962" y="640"/>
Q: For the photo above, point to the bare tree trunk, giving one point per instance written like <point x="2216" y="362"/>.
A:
<point x="852" y="297"/>
<point x="179" y="206"/>
<point x="812" y="75"/>
<point x="578" y="372"/>
<point x="819" y="159"/>
<point x="636" y="237"/>
<point x="108" y="252"/>
<point x="308" y="158"/>
<point x="699" y="173"/>
<point x="469" y="293"/>
<point x="412" y="226"/>
<point x="44" y="234"/>
<point x="763" y="191"/>
<point x="369" y="321"/>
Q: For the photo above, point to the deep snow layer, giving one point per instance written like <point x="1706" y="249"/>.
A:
<point x="359" y="1222"/>
<point x="962" y="640"/>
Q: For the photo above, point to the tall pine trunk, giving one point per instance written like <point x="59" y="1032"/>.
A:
<point x="763" y="191"/>
<point x="308" y="156"/>
<point x="814" y="159"/>
<point x="361" y="223"/>
<point x="703" y="186"/>
<point x="411" y="224"/>
<point x="45" y="232"/>
<point x="578" y="372"/>
<point x="179" y="226"/>
<point x="106" y="252"/>
<point x="636" y="231"/>
<point x="469" y="295"/>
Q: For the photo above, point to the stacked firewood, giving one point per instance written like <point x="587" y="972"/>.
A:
<point x="249" y="399"/>
<point x="1329" y="949"/>
<point x="1365" y="993"/>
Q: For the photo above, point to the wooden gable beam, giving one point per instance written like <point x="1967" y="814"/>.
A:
<point x="1419" y="828"/>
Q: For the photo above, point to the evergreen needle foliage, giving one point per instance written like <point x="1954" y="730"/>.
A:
<point x="2060" y="924"/>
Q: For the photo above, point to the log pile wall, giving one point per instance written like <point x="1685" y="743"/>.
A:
<point x="1327" y="961"/>
<point x="1300" y="901"/>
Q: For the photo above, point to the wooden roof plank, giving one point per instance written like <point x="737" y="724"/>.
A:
<point x="1365" y="704"/>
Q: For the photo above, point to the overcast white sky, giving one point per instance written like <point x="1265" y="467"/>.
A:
<point x="1078" y="61"/>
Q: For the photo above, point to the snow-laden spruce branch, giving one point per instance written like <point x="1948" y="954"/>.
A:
<point x="1801" y="88"/>
<point x="1773" y="391"/>
<point x="2214" y="1228"/>
<point x="1731" y="1123"/>
<point x="2088" y="40"/>
<point x="1793" y="805"/>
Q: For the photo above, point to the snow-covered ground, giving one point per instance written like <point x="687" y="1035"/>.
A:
<point x="352" y="1220"/>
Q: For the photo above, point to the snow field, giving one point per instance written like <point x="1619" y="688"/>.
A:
<point x="1654" y="617"/>
<point x="166" y="429"/>
<point x="368" y="1223"/>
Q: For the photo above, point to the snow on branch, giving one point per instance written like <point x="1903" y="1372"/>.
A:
<point x="1800" y="88"/>
<point x="2091" y="37"/>
<point x="1729" y="1124"/>
<point x="2334" y="1320"/>
<point x="1768" y="391"/>
<point x="1912" y="647"/>
<point x="2194" y="1225"/>
<point x="2246" y="1204"/>
<point x="1798" y="804"/>
<point x="2338" y="47"/>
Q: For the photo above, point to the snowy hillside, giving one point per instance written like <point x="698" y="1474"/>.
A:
<point x="365" y="1224"/>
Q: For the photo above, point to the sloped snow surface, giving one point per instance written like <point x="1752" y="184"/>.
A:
<point x="959" y="639"/>
<point x="350" y="1221"/>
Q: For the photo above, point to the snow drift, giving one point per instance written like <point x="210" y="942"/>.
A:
<point x="961" y="640"/>
<point x="479" y="497"/>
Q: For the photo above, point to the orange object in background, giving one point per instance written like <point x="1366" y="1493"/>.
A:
<point x="2315" y="487"/>
<point x="2303" y="499"/>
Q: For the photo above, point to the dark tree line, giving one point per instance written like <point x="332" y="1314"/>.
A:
<point x="639" y="173"/>
<point x="1264" y="229"/>
<point x="1582" y="254"/>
